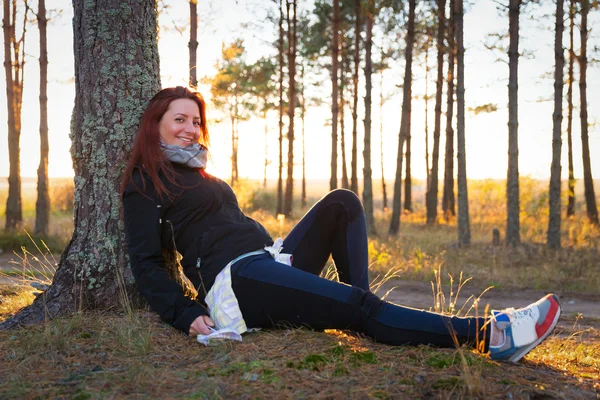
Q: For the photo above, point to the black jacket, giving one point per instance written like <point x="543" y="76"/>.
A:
<point x="202" y="221"/>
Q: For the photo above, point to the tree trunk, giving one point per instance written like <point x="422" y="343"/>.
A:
<point x="571" y="195"/>
<point x="345" y="182"/>
<point x="407" y="176"/>
<point x="588" y="182"/>
<point x="553" y="239"/>
<point x="383" y="186"/>
<point x="464" y="230"/>
<point x="405" y="119"/>
<point x="289" y="184"/>
<point x="193" y="43"/>
<point x="334" y="93"/>
<point x="512" y="182"/>
<point x="116" y="36"/>
<point x="448" y="192"/>
<point x="354" y="160"/>
<point x="266" y="150"/>
<point x="280" y="165"/>
<point x="427" y="177"/>
<point x="367" y="173"/>
<point x="432" y="190"/>
<point x="14" y="53"/>
<point x="42" y="205"/>
<point x="303" y="116"/>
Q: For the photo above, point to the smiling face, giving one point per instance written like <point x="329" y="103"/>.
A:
<point x="180" y="125"/>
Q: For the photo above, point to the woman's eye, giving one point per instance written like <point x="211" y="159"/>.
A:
<point x="197" y="123"/>
<point x="179" y="119"/>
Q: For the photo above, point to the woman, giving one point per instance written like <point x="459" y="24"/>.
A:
<point x="242" y="278"/>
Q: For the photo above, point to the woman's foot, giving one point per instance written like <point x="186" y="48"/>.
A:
<point x="521" y="330"/>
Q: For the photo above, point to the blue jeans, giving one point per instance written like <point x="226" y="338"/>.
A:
<point x="271" y="294"/>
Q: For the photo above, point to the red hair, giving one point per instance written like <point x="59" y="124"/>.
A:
<point x="146" y="146"/>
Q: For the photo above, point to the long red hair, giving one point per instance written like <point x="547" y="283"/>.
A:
<point x="146" y="146"/>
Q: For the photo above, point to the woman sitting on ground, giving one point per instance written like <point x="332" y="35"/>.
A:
<point x="243" y="279"/>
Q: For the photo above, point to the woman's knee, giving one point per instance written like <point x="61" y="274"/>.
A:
<point x="347" y="199"/>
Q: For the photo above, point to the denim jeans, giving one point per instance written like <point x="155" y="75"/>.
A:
<point x="272" y="295"/>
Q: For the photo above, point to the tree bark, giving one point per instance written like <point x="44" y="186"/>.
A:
<point x="302" y="116"/>
<point x="571" y="195"/>
<point x="193" y="43"/>
<point x="334" y="93"/>
<point x="14" y="53"/>
<point x="383" y="186"/>
<point x="354" y="160"/>
<point x="292" y="37"/>
<point x="513" y="237"/>
<point x="464" y="229"/>
<point x="367" y="172"/>
<point x="427" y="177"/>
<point x="280" y="165"/>
<point x="553" y="238"/>
<point x="42" y="205"/>
<point x="405" y="119"/>
<point x="432" y="190"/>
<point x="448" y="206"/>
<point x="407" y="176"/>
<point x="345" y="181"/>
<point x="588" y="182"/>
<point x="118" y="37"/>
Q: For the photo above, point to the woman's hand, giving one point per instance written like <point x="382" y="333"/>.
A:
<point x="200" y="326"/>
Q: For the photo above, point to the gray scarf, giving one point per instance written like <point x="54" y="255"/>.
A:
<point x="193" y="156"/>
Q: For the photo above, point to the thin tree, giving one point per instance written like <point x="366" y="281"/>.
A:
<point x="193" y="43"/>
<point x="93" y="272"/>
<point x="448" y="192"/>
<point x="345" y="181"/>
<point x="571" y="194"/>
<point x="302" y="118"/>
<point x="14" y="63"/>
<point x="553" y="238"/>
<point x="513" y="237"/>
<point x="464" y="230"/>
<point x="281" y="65"/>
<point x="432" y="190"/>
<point x="405" y="118"/>
<point x="367" y="172"/>
<point x="588" y="182"/>
<point x="354" y="160"/>
<point x="334" y="93"/>
<point x="42" y="205"/>
<point x="426" y="98"/>
<point x="381" y="101"/>
<point x="292" y="43"/>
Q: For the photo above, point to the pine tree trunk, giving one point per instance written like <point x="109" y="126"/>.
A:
<point x="193" y="43"/>
<point x="464" y="229"/>
<point x="512" y="181"/>
<point x="116" y="36"/>
<point x="408" y="177"/>
<point x="383" y="186"/>
<point x="345" y="182"/>
<point x="367" y="173"/>
<point x="280" y="165"/>
<point x="553" y="239"/>
<point x="13" y="67"/>
<point x="427" y="177"/>
<point x="588" y="182"/>
<point x="354" y="160"/>
<point x="448" y="192"/>
<point x="405" y="119"/>
<point x="432" y="190"/>
<point x="334" y="93"/>
<point x="42" y="205"/>
<point x="302" y="116"/>
<point x="266" y="150"/>
<point x="289" y="184"/>
<point x="571" y="195"/>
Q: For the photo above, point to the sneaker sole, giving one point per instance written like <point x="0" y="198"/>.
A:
<point x="521" y="353"/>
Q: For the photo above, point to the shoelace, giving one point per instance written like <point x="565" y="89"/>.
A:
<point x="521" y="315"/>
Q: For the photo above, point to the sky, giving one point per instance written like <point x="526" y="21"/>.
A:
<point x="486" y="81"/>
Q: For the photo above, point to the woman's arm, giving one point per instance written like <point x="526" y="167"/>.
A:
<point x="143" y="233"/>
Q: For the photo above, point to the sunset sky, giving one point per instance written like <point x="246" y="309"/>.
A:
<point x="486" y="80"/>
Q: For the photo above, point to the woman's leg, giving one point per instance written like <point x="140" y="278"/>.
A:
<point x="335" y="226"/>
<point x="271" y="294"/>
